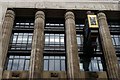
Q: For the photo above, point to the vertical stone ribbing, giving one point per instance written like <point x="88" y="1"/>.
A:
<point x="73" y="69"/>
<point x="6" y="34"/>
<point x="36" y="64"/>
<point x="108" y="48"/>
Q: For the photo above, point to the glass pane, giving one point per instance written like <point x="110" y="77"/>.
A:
<point x="45" y="64"/>
<point x="21" y="64"/>
<point x="27" y="65"/>
<point x="95" y="65"/>
<point x="22" y="56"/>
<point x="9" y="65"/>
<point x="78" y="40"/>
<point x="116" y="41"/>
<point x="56" y="38"/>
<point x="51" y="64"/>
<point x="62" y="40"/>
<point x="81" y="66"/>
<point x="46" y="57"/>
<point x="46" y="40"/>
<point x="15" y="33"/>
<point x="100" y="66"/>
<point x="27" y="57"/>
<point x="57" y="65"/>
<point x="51" y="57"/>
<point x="11" y="56"/>
<point x="63" y="65"/>
<point x="20" y="34"/>
<point x="16" y="56"/>
<point x="26" y="23"/>
<point x="30" y="39"/>
<point x="57" y="57"/>
<point x="15" y="64"/>
<point x="51" y="38"/>
<point x="25" y="39"/>
<point x="21" y="23"/>
<point x="62" y="57"/>
<point x="19" y="40"/>
<point x="14" y="39"/>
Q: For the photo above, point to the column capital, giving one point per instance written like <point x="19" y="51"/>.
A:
<point x="69" y="14"/>
<point x="101" y="15"/>
<point x="40" y="14"/>
<point x="10" y="13"/>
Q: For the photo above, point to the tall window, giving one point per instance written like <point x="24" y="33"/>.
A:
<point x="54" y="50"/>
<point x="20" y="45"/>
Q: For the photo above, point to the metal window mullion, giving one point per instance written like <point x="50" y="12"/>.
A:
<point x="91" y="65"/>
<point x="59" y="42"/>
<point x="54" y="63"/>
<point x="60" y="63"/>
<point x="18" y="62"/>
<point x="115" y="40"/>
<point x="29" y="24"/>
<point x="12" y="62"/>
<point x="49" y="42"/>
<point x="16" y="40"/>
<point x="27" y="41"/>
<point x="99" y="65"/>
<point x="24" y="24"/>
<point x="24" y="63"/>
<point x="48" y="62"/>
<point x="54" y="41"/>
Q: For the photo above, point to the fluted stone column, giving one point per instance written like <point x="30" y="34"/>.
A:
<point x="6" y="34"/>
<point x="36" y="64"/>
<point x="73" y="69"/>
<point x="108" y="48"/>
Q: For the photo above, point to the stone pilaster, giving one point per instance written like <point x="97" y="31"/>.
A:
<point x="73" y="69"/>
<point x="6" y="34"/>
<point x="108" y="48"/>
<point x="36" y="64"/>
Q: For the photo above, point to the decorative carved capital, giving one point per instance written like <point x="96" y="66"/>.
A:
<point x="101" y="15"/>
<point x="40" y="14"/>
<point x="10" y="13"/>
<point x="69" y="14"/>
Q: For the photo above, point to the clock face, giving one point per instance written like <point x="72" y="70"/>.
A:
<point x="92" y="21"/>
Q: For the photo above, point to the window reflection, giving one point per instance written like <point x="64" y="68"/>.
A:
<point x="54" y="42"/>
<point x="21" y="41"/>
<point x="18" y="63"/>
<point x="54" y="63"/>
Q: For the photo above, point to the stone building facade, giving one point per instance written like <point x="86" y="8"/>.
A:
<point x="44" y="39"/>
